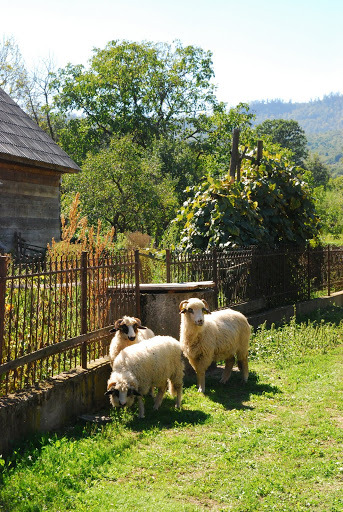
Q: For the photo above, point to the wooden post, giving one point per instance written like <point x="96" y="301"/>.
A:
<point x="259" y="151"/>
<point x="84" y="306"/>
<point x="234" y="153"/>
<point x="3" y="275"/>
<point x="137" y="288"/>
<point x="168" y="264"/>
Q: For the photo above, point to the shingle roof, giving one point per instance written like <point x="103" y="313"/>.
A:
<point x="22" y="140"/>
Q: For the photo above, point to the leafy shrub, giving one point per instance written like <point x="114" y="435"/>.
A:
<point x="269" y="206"/>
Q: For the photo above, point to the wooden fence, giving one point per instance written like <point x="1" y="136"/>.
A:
<point x="55" y="314"/>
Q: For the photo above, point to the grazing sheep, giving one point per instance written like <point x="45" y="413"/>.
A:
<point x="129" y="330"/>
<point x="215" y="337"/>
<point x="148" y="364"/>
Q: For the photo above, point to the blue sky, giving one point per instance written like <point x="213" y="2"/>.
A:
<point x="262" y="49"/>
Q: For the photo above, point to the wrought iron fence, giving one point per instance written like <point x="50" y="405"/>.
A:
<point x="55" y="314"/>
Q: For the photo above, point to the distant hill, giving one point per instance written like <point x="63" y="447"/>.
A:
<point x="322" y="121"/>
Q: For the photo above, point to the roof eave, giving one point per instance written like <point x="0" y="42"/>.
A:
<point x="5" y="157"/>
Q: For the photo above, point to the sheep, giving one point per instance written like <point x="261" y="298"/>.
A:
<point x="138" y="368"/>
<point x="129" y="330"/>
<point x="217" y="336"/>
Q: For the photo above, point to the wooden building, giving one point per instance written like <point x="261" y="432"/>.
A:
<point x="31" y="167"/>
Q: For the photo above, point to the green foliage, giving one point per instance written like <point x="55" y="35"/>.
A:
<point x="269" y="206"/>
<point x="320" y="174"/>
<point x="328" y="145"/>
<point x="321" y="119"/>
<point x="147" y="89"/>
<point x="288" y="134"/>
<point x="124" y="188"/>
<point x="329" y="205"/>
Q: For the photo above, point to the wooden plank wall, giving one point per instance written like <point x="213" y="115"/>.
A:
<point x="29" y="204"/>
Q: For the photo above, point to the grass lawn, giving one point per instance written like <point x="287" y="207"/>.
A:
<point x="274" y="444"/>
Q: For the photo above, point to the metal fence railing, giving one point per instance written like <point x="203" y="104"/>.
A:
<point x="55" y="313"/>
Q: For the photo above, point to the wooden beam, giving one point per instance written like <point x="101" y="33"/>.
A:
<point x="234" y="153"/>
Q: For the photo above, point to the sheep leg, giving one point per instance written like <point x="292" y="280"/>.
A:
<point x="201" y="381"/>
<point x="159" y="396"/>
<point x="178" y="396"/>
<point x="243" y="366"/>
<point x="140" y="407"/>
<point x="228" y="369"/>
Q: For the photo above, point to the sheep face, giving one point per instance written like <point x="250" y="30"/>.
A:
<point x="128" y="326"/>
<point x="195" y="309"/>
<point x="121" y="395"/>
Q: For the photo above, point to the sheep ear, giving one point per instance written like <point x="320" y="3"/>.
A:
<point x="118" y="323"/>
<point x="114" y="329"/>
<point x="141" y="327"/>
<point x="206" y="306"/>
<point x="139" y="324"/>
<point x="183" y="305"/>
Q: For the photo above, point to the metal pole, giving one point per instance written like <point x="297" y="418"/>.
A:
<point x="168" y="264"/>
<point x="215" y="277"/>
<point x="3" y="275"/>
<point x="308" y="273"/>
<point x="84" y="306"/>
<point x="329" y="271"/>
<point x="137" y="288"/>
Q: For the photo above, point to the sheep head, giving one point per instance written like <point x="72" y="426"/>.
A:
<point x="121" y="394"/>
<point x="129" y="326"/>
<point x="195" y="309"/>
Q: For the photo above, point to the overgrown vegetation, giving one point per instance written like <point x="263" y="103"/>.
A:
<point x="271" y="205"/>
<point x="274" y="444"/>
<point x="143" y="122"/>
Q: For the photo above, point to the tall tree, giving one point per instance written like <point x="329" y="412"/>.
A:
<point x="13" y="74"/>
<point x="123" y="186"/>
<point x="320" y="173"/>
<point x="147" y="89"/>
<point x="288" y="134"/>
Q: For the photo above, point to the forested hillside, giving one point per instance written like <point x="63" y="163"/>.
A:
<point x="322" y="121"/>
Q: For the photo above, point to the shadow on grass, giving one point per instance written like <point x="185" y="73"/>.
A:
<point x="166" y="417"/>
<point x="332" y="314"/>
<point x="234" y="393"/>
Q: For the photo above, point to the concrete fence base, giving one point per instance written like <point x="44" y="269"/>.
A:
<point x="62" y="399"/>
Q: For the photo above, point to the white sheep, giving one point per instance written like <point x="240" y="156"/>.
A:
<point x="129" y="331"/>
<point x="137" y="369"/>
<point x="217" y="336"/>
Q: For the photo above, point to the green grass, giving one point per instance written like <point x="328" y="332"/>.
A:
<point x="274" y="444"/>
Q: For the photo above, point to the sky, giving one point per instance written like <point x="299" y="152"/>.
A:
<point x="261" y="49"/>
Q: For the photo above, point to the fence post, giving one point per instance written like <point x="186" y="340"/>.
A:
<point x="215" y="277"/>
<point x="308" y="273"/>
<point x="3" y="274"/>
<point x="234" y="153"/>
<point x="168" y="264"/>
<point x="329" y="271"/>
<point x="84" y="306"/>
<point x="137" y="289"/>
